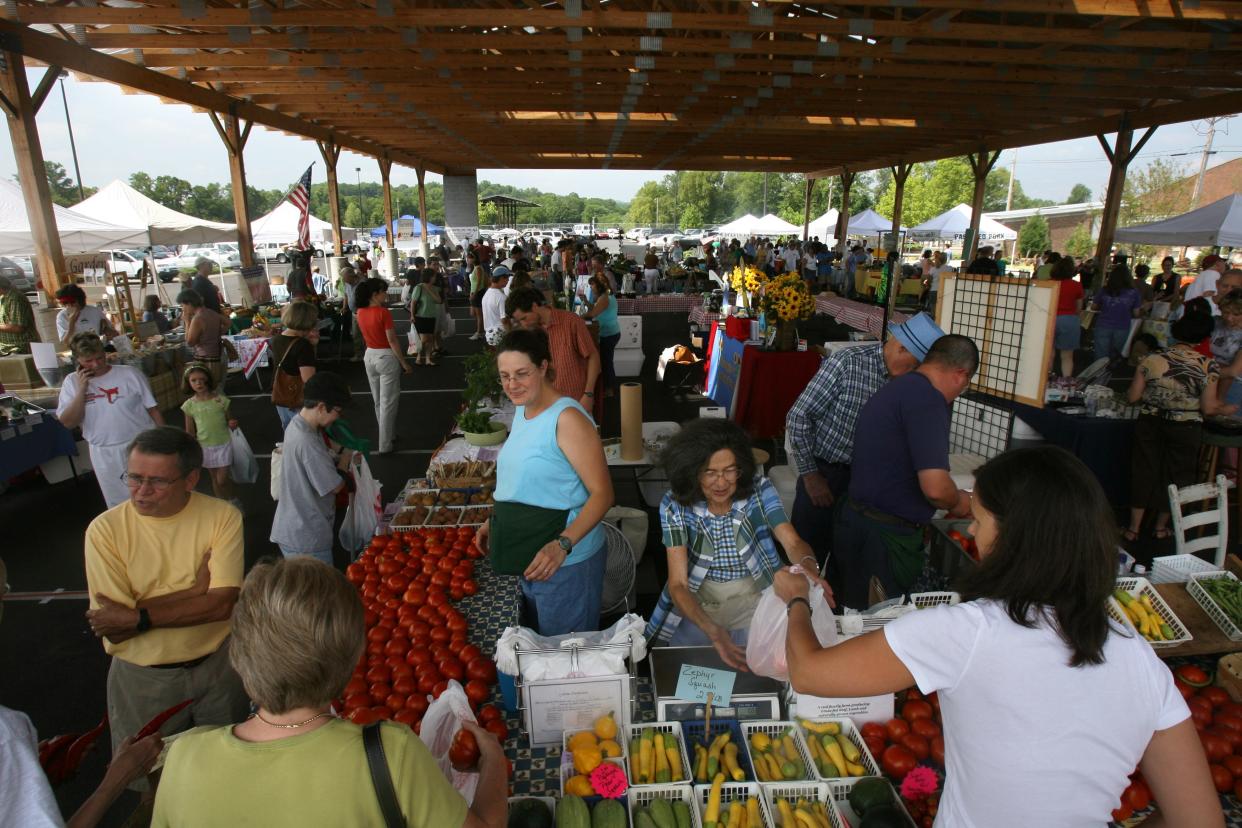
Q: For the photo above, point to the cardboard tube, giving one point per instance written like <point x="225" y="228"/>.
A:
<point x="631" y="421"/>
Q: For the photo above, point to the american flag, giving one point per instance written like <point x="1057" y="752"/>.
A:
<point x="299" y="196"/>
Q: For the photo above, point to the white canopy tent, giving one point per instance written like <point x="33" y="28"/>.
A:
<point x="825" y="227"/>
<point x="78" y="233"/>
<point x="1219" y="223"/>
<point x="952" y="224"/>
<point x="121" y="203"/>
<point x="870" y="223"/>
<point x="774" y="225"/>
<point x="738" y="227"/>
<point x="281" y="225"/>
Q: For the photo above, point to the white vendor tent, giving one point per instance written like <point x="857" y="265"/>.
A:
<point x="739" y="227"/>
<point x="774" y="225"/>
<point x="281" y="225"/>
<point x="870" y="223"/>
<point x="118" y="202"/>
<point x="825" y="227"/>
<point x="78" y="233"/>
<point x="1219" y="223"/>
<point x="953" y="224"/>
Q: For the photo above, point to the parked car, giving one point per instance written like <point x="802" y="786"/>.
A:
<point x="224" y="254"/>
<point x="637" y="233"/>
<point x="271" y="251"/>
<point x="22" y="279"/>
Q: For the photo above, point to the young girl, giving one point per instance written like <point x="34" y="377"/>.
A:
<point x="207" y="419"/>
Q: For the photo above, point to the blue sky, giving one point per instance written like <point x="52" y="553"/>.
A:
<point x="119" y="133"/>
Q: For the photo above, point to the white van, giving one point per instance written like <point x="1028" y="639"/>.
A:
<point x="584" y="229"/>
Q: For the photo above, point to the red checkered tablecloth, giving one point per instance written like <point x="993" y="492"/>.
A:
<point x="858" y="315"/>
<point x="699" y="316"/>
<point x="660" y="303"/>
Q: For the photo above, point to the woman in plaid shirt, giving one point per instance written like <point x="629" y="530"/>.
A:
<point x="720" y="521"/>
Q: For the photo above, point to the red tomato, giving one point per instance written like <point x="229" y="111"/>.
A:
<point x="1226" y="721"/>
<point x="1200" y="711"/>
<point x="1192" y="675"/>
<point x="1221" y="778"/>
<point x="380" y="691"/>
<point x="1234" y="764"/>
<point x="355" y="700"/>
<point x="378" y="634"/>
<point x="395" y="701"/>
<point x="438" y="689"/>
<point x="917" y="745"/>
<point x="397" y="582"/>
<point x="875" y="744"/>
<point x="418" y="703"/>
<point x="469" y="587"/>
<point x="498" y="728"/>
<point x="406" y="716"/>
<point x="895" y="729"/>
<point x="916" y="709"/>
<point x="417" y="656"/>
<point x="1216" y="696"/>
<point x="898" y="761"/>
<point x="405" y="685"/>
<point x="1237" y="789"/>
<point x="1233" y="737"/>
<point x="397" y="647"/>
<point x="428" y="681"/>
<point x="1185" y="689"/>
<point x="1122" y="813"/>
<point x="456" y="623"/>
<point x="488" y="712"/>
<point x="441" y="579"/>
<point x="443" y="634"/>
<point x="402" y="668"/>
<point x="937" y="750"/>
<point x="1214" y="746"/>
<point x="482" y="668"/>
<point x="356" y="685"/>
<point x="378" y="674"/>
<point x="382" y="713"/>
<point x="925" y="728"/>
<point x="874" y="729"/>
<point x="362" y="716"/>
<point x="452" y="668"/>
<point x="477" y="691"/>
<point x="1231" y="709"/>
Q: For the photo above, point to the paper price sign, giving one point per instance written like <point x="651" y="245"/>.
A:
<point x="695" y="682"/>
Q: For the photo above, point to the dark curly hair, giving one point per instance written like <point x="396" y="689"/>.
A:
<point x="689" y="450"/>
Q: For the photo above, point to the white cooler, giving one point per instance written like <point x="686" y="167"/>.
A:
<point x="628" y="362"/>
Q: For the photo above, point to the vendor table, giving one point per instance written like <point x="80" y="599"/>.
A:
<point x="768" y="385"/>
<point x="702" y="317"/>
<point x="860" y="316"/>
<point x="1208" y="638"/>
<point x="24" y="446"/>
<point x="659" y="303"/>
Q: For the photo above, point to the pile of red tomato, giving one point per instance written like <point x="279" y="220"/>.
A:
<point x="915" y="736"/>
<point x="416" y="639"/>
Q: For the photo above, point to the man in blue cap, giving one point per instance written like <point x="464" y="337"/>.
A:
<point x="900" y="475"/>
<point x="821" y="423"/>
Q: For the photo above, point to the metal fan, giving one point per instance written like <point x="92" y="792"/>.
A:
<point x="619" y="577"/>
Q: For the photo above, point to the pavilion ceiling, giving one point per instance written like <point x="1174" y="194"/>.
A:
<point x="651" y="84"/>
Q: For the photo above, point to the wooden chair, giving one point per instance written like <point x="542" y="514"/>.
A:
<point x="1217" y="516"/>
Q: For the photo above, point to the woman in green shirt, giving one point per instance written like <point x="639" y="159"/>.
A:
<point x="425" y="304"/>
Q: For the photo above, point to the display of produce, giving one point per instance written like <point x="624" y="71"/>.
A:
<point x="834" y="753"/>
<point x="427" y="497"/>
<point x="875" y="804"/>
<point x="1144" y="616"/>
<point x="1137" y="604"/>
<point x="729" y="806"/>
<point x="1218" y="718"/>
<point x="1220" y="595"/>
<point x="719" y="755"/>
<point x="655" y="757"/>
<point x="529" y="812"/>
<point x="776" y="756"/>
<point x="800" y="813"/>
<point x="574" y="812"/>
<point x="410" y="518"/>
<point x="663" y="813"/>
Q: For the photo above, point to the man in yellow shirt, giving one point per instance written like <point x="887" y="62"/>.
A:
<point x="163" y="570"/>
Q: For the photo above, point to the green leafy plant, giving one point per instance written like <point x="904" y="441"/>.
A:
<point x="482" y="383"/>
<point x="473" y="421"/>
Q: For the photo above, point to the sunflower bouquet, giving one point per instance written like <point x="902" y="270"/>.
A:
<point x="786" y="298"/>
<point x="747" y="281"/>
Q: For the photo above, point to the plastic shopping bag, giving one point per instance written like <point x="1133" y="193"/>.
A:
<point x="765" y="646"/>
<point x="440" y="724"/>
<point x="416" y="343"/>
<point x="365" y="507"/>
<point x="245" y="467"/>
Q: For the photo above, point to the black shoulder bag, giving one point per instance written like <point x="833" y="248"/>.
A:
<point x="381" y="777"/>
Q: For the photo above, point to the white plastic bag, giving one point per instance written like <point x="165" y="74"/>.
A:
<point x="245" y="467"/>
<point x="579" y="654"/>
<point x="365" y="507"/>
<point x="440" y="724"/>
<point x="765" y="646"/>
<point x="416" y="343"/>
<point x="277" y="456"/>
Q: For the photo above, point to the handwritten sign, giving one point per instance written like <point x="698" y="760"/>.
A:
<point x="695" y="682"/>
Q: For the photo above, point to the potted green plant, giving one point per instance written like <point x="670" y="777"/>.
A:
<point x="482" y="384"/>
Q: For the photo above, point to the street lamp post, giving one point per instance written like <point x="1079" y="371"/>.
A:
<point x="361" y="218"/>
<point x="73" y="147"/>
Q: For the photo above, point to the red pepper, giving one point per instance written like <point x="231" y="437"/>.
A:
<point x="72" y="758"/>
<point x="155" y="724"/>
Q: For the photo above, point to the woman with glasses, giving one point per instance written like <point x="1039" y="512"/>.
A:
<point x="77" y="316"/>
<point x="720" y="520"/>
<point x="552" y="491"/>
<point x="113" y="404"/>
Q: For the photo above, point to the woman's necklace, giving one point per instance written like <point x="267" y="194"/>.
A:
<point x="259" y="716"/>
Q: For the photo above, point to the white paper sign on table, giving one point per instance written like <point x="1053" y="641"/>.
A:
<point x="44" y="354"/>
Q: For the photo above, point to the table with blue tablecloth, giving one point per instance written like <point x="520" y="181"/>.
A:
<point x="22" y="449"/>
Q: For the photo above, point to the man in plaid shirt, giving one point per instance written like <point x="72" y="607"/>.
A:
<point x="17" y="322"/>
<point x="821" y="423"/>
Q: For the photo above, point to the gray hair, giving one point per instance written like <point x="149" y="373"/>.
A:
<point x="203" y="260"/>
<point x="169" y="441"/>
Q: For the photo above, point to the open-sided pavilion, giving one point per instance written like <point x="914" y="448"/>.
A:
<point x="452" y="86"/>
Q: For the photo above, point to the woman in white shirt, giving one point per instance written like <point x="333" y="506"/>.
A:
<point x="76" y="316"/>
<point x="1036" y="684"/>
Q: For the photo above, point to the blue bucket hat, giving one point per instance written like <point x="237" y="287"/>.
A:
<point x="917" y="334"/>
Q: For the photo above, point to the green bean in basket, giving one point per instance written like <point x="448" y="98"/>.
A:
<point x="1228" y="594"/>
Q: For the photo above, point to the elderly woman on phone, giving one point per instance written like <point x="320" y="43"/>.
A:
<point x="720" y="521"/>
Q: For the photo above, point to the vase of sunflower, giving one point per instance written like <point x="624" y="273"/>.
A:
<point x="784" y="301"/>
<point x="749" y="282"/>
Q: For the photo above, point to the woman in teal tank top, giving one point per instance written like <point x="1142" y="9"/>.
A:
<point x="552" y="460"/>
<point x="604" y="311"/>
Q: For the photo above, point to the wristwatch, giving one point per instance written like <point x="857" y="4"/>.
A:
<point x="797" y="600"/>
<point x="565" y="543"/>
<point x="144" y="620"/>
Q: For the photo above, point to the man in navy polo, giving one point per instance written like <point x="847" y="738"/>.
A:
<point x="899" y="474"/>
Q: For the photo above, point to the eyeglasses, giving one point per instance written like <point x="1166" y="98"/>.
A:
<point x="712" y="475"/>
<point x="137" y="481"/>
<point x="517" y="376"/>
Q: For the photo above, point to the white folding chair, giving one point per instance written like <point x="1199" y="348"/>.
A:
<point x="1217" y="516"/>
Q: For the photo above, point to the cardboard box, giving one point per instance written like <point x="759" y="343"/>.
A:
<point x="18" y="372"/>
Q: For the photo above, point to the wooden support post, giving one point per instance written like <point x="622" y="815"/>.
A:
<point x="31" y="173"/>
<point x="385" y="165"/>
<point x="900" y="173"/>
<point x="981" y="164"/>
<point x="843" y="215"/>
<point x="806" y="209"/>
<point x="421" y="172"/>
<point x="234" y="135"/>
<point x="1119" y="155"/>
<point x="331" y="151"/>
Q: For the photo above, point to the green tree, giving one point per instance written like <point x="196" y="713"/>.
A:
<point x="1034" y="236"/>
<point x="353" y="216"/>
<point x="64" y="189"/>
<point x="1079" y="243"/>
<point x="643" y="207"/>
<point x="1079" y="194"/>
<point x="1153" y="193"/>
<point x="488" y="213"/>
<point x="212" y="202"/>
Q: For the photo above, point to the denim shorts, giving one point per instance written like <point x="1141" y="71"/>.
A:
<point x="569" y="601"/>
<point x="1068" y="335"/>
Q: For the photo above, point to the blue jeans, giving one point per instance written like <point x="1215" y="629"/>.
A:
<point x="690" y="634"/>
<point x="1109" y="342"/>
<point x="326" y="557"/>
<point x="286" y="416"/>
<point x="569" y="601"/>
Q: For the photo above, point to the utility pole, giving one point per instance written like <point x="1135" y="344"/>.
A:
<point x="1013" y="172"/>
<point x="1203" y="160"/>
<point x="765" y="194"/>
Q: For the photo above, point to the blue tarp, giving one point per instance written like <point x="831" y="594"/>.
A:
<point x="432" y="229"/>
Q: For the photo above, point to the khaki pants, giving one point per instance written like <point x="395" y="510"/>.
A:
<point x="384" y="377"/>
<point x="138" y="694"/>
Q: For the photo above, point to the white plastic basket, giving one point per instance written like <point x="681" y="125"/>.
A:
<point x="1141" y="586"/>
<point x="568" y="772"/>
<point x="792" y="792"/>
<point x="569" y="734"/>
<point x="852" y="733"/>
<point x="638" y="797"/>
<point x="775" y="730"/>
<point x="731" y="791"/>
<point x="411" y="527"/>
<point x="667" y="728"/>
<point x="843" y="816"/>
<point x="1213" y="609"/>
<point x="1177" y="569"/>
<point x="920" y="600"/>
